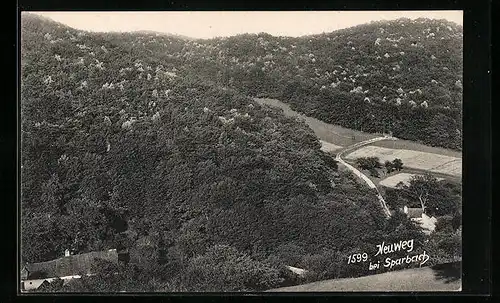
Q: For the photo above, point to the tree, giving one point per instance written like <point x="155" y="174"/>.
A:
<point x="397" y="164"/>
<point x="445" y="247"/>
<point x="389" y="166"/>
<point x="445" y="224"/>
<point x="52" y="195"/>
<point x="327" y="264"/>
<point x="420" y="188"/>
<point x="291" y="254"/>
<point x="374" y="173"/>
<point x="368" y="163"/>
<point x="37" y="238"/>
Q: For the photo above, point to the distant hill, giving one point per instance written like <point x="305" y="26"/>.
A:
<point x="158" y="33"/>
<point x="403" y="76"/>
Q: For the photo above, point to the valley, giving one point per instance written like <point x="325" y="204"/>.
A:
<point x="415" y="156"/>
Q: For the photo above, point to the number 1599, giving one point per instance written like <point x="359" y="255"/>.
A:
<point x="356" y="258"/>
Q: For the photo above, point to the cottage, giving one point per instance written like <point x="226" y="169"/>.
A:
<point x="298" y="271"/>
<point x="417" y="215"/>
<point x="413" y="212"/>
<point x="69" y="267"/>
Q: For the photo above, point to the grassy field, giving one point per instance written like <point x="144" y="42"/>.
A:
<point x="416" y="279"/>
<point x="329" y="147"/>
<point x="330" y="133"/>
<point x="394" y="180"/>
<point x="415" y="156"/>
<point x="406" y="170"/>
<point x="342" y="137"/>
<point x="412" y="159"/>
<point x="404" y="144"/>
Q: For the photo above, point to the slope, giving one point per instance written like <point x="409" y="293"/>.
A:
<point x="409" y="280"/>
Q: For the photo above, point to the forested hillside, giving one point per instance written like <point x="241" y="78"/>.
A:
<point x="135" y="141"/>
<point x="403" y="76"/>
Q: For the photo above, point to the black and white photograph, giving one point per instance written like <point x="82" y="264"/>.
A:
<point x="240" y="151"/>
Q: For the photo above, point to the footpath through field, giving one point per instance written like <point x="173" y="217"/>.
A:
<point x="360" y="174"/>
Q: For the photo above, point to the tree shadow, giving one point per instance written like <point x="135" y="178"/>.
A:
<point x="449" y="272"/>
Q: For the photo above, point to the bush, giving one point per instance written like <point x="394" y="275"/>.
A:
<point x="374" y="173"/>
<point x="397" y="164"/>
<point x="289" y="278"/>
<point x="368" y="163"/>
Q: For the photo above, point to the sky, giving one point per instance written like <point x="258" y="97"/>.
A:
<point x="209" y="24"/>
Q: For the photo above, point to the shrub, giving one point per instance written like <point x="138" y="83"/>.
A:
<point x="374" y="173"/>
<point x="368" y="163"/>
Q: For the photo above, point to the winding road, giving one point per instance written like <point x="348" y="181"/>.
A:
<point x="360" y="174"/>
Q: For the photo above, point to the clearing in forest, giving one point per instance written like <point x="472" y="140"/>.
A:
<point x="412" y="159"/>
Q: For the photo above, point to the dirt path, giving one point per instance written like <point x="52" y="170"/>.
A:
<point x="360" y="174"/>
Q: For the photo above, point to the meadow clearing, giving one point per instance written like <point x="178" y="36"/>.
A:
<point x="334" y="134"/>
<point x="413" y="159"/>
<point x="394" y="180"/>
<point x="413" y="154"/>
<point x="329" y="147"/>
<point x="411" y="145"/>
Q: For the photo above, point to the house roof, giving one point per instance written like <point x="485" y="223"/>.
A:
<point x="428" y="223"/>
<point x="70" y="265"/>
<point x="415" y="212"/>
<point x="296" y="270"/>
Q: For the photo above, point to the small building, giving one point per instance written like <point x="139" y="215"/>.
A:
<point x="298" y="271"/>
<point x="417" y="215"/>
<point x="69" y="267"/>
<point x="413" y="212"/>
